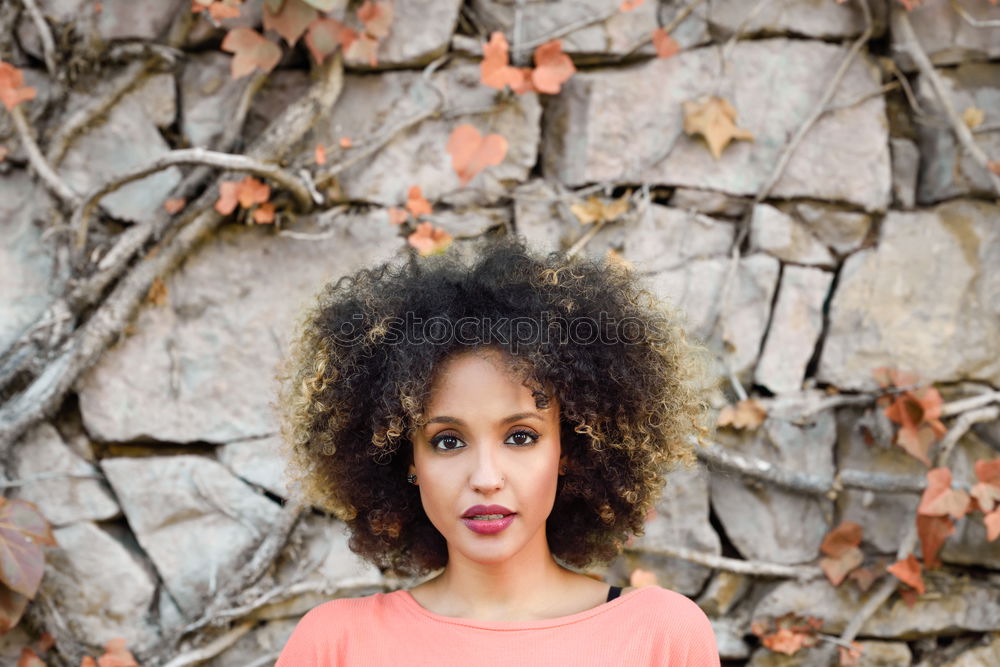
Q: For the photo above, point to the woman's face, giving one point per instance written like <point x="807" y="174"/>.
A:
<point x="486" y="443"/>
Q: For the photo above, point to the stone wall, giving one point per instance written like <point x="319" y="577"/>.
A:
<point x="877" y="245"/>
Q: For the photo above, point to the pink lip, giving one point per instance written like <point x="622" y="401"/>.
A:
<point x="486" y="509"/>
<point x="488" y="526"/>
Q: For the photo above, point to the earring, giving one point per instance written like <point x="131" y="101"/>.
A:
<point x="411" y="478"/>
<point x="562" y="470"/>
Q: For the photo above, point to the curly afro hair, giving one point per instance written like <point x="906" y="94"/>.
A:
<point x="362" y="361"/>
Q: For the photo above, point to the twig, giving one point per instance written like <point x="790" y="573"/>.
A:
<point x="213" y="648"/>
<point x="37" y="160"/>
<point x="886" y="88"/>
<point x="679" y="17"/>
<point x="908" y="41"/>
<point x="226" y="161"/>
<point x="735" y="565"/>
<point x="962" y="426"/>
<point x="971" y="403"/>
<point x="566" y="29"/>
<point x="738" y="32"/>
<point x="45" y="34"/>
<point x="971" y="20"/>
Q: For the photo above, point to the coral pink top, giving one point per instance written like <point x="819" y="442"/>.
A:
<point x="648" y="626"/>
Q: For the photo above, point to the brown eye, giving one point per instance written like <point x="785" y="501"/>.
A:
<point x="445" y="438"/>
<point x="533" y="438"/>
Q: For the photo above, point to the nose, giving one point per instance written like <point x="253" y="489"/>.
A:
<point x="486" y="475"/>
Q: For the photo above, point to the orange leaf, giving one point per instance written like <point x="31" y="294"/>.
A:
<point x="664" y="44"/>
<point x="841" y="539"/>
<point x="29" y="658"/>
<point x="850" y="656"/>
<point x="629" y="5"/>
<point x="988" y="472"/>
<point x="917" y="412"/>
<point x="174" y="204"/>
<point x="994" y="166"/>
<point x="228" y="198"/>
<point x="362" y="47"/>
<point x="397" y="216"/>
<point x="938" y="483"/>
<point x="552" y="67"/>
<point x="23" y="531"/>
<point x="251" y="50"/>
<point x="416" y="204"/>
<point x="837" y="567"/>
<point x="377" y="17"/>
<point x="640" y="578"/>
<point x="116" y="655"/>
<point x="264" y="213"/>
<point x="291" y="21"/>
<point x="320" y="154"/>
<point x="429" y="240"/>
<point x="992" y="523"/>
<point x="745" y="414"/>
<point x="933" y="531"/>
<point x="251" y="191"/>
<point x="12" y="88"/>
<point x="908" y="571"/>
<point x="785" y="640"/>
<point x="87" y="661"/>
<point x="325" y="35"/>
<point x="345" y="142"/>
<point x="494" y="69"/>
<point x="471" y="152"/>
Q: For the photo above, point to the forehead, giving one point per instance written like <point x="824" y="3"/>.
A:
<point x="480" y="380"/>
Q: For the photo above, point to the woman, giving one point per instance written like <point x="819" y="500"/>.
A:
<point x="506" y="425"/>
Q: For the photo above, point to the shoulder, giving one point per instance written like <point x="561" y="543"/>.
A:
<point x="681" y="624"/>
<point x="681" y="611"/>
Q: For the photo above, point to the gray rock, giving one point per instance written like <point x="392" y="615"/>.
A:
<point x="926" y="299"/>
<point x="778" y="234"/>
<point x="951" y="605"/>
<point x="471" y="222"/>
<point x="864" y="443"/>
<point x="981" y="655"/>
<point x="795" y="328"/>
<point x="257" y="461"/>
<point x="209" y="97"/>
<point x="98" y="587"/>
<point x="419" y="33"/>
<point x="874" y="654"/>
<point x="681" y="520"/>
<point x="696" y="289"/>
<point x="372" y="105"/>
<point x="543" y="217"/>
<point x="723" y="592"/>
<point x="825" y="20"/>
<point x="27" y="278"/>
<point x="788" y="527"/>
<point x="709" y="202"/>
<point x="116" y="19"/>
<point x="666" y="238"/>
<point x="208" y="359"/>
<point x="968" y="545"/>
<point x="946" y="169"/>
<point x="193" y="518"/>
<point x="321" y="566"/>
<point x="265" y="639"/>
<point x="591" y="125"/>
<point x="128" y="138"/>
<point x="729" y="639"/>
<point x="842" y="231"/>
<point x="62" y="501"/>
<point x="905" y="170"/>
<point x="947" y="37"/>
<point x="604" y="31"/>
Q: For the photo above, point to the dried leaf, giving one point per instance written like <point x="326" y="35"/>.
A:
<point x="640" y="578"/>
<point x="416" y="204"/>
<point x="361" y="47"/>
<point x="908" y="571"/>
<point x="472" y="152"/>
<point x="918" y="414"/>
<point x="629" y="5"/>
<point x="595" y="210"/>
<point x="992" y="523"/>
<point x="252" y="191"/>
<point x="324" y="36"/>
<point x="116" y="655"/>
<point x="973" y="117"/>
<point x="745" y="414"/>
<point x="398" y="216"/>
<point x="264" y="213"/>
<point x="228" y="199"/>
<point x="841" y="539"/>
<point x="377" y="18"/>
<point x="494" y="69"/>
<point x="251" y="50"/>
<point x="850" y="656"/>
<point x="29" y="658"/>
<point x="714" y="119"/>
<point x="291" y="20"/>
<point x="429" y="240"/>
<point x="994" y="166"/>
<point x="664" y="44"/>
<point x="23" y="531"/>
<point x="345" y="142"/>
<point x="836" y="568"/>
<point x="174" y="205"/>
<point x="319" y="155"/>
<point x="157" y="294"/>
<point x="552" y="68"/>
<point x="12" y="88"/>
<point x="933" y="531"/>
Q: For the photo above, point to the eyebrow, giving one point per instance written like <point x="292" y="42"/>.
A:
<point x="444" y="419"/>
